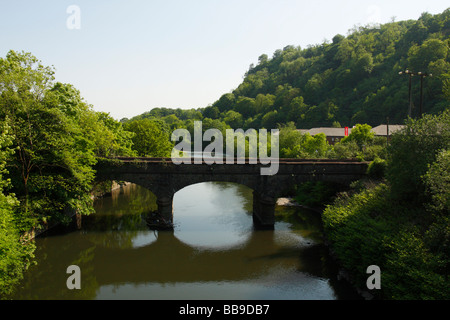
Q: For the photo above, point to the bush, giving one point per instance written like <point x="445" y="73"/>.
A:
<point x="355" y="235"/>
<point x="370" y="228"/>
<point x="377" y="168"/>
<point x="437" y="180"/>
<point x="401" y="226"/>
<point x="315" y="193"/>
<point x="14" y="256"/>
<point x="411" y="152"/>
<point x="414" y="272"/>
<point x="346" y="150"/>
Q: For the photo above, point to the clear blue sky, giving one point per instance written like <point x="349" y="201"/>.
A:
<point x="131" y="56"/>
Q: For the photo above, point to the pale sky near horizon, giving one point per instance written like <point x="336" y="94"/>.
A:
<point x="128" y="57"/>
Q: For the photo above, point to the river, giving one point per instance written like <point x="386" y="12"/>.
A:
<point x="212" y="253"/>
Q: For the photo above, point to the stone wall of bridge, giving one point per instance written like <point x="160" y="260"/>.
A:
<point x="165" y="178"/>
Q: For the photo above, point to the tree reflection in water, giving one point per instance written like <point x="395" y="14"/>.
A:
<point x="213" y="252"/>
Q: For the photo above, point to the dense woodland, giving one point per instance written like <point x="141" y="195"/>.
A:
<point x="352" y="79"/>
<point x="51" y="138"/>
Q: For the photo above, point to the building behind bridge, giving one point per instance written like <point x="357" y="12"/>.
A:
<point x="334" y="135"/>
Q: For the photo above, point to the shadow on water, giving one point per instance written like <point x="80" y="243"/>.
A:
<point x="212" y="253"/>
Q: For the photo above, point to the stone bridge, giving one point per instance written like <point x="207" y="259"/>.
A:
<point x="164" y="178"/>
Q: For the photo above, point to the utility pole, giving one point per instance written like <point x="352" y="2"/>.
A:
<point x="422" y="75"/>
<point x="411" y="104"/>
<point x="411" y="107"/>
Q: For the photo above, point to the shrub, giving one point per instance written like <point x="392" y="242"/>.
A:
<point x="371" y="228"/>
<point x="411" y="152"/>
<point x="377" y="168"/>
<point x="315" y="193"/>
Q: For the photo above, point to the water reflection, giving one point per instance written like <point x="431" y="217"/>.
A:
<point x="213" y="252"/>
<point x="213" y="215"/>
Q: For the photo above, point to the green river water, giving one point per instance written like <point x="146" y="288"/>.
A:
<point x="212" y="253"/>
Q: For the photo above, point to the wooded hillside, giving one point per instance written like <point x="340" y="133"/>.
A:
<point x="351" y="79"/>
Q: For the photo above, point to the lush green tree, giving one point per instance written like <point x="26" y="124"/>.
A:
<point x="446" y="87"/>
<point x="295" y="110"/>
<point x="234" y="119"/>
<point x="52" y="167"/>
<point x="263" y="59"/>
<point x="361" y="144"/>
<point x="346" y="48"/>
<point x="363" y="65"/>
<point x="404" y="221"/>
<point x="215" y="124"/>
<point x="368" y="227"/>
<point x="362" y="134"/>
<point x="225" y="102"/>
<point x="253" y="83"/>
<point x="315" y="146"/>
<point x="211" y="112"/>
<point x="420" y="57"/>
<point x="264" y="102"/>
<point x="412" y="150"/>
<point x="246" y="107"/>
<point x="348" y="150"/>
<point x="15" y="252"/>
<point x="106" y="134"/>
<point x="324" y="113"/>
<point x="290" y="141"/>
<point x="151" y="137"/>
<point x="120" y="142"/>
<point x="437" y="180"/>
<point x="294" y="144"/>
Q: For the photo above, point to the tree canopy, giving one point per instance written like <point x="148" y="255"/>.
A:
<point x="351" y="80"/>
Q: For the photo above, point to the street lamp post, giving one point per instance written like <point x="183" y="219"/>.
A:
<point x="410" y="74"/>
<point x="421" y="75"/>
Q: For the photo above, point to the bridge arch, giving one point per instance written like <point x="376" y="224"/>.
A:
<point x="223" y="209"/>
<point x="165" y="178"/>
<point x="182" y="183"/>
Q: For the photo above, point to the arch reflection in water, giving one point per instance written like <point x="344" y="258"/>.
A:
<point x="213" y="215"/>
<point x="212" y="253"/>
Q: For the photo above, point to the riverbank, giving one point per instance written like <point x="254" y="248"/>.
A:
<point x="72" y="215"/>
<point x="287" y="202"/>
<point x="291" y="202"/>
<point x="219" y="254"/>
<point x="368" y="228"/>
<point x="343" y="274"/>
